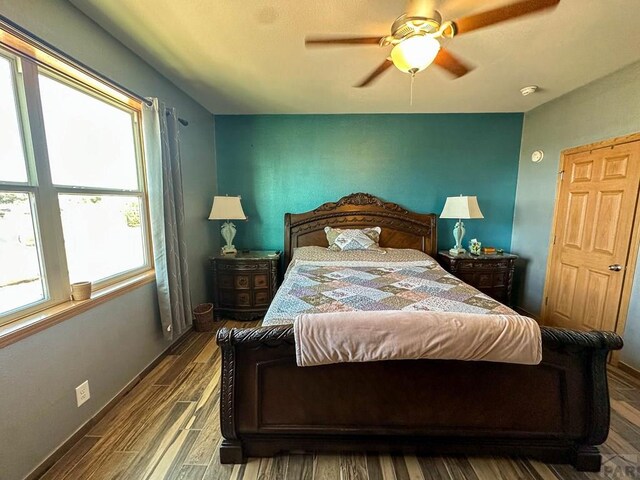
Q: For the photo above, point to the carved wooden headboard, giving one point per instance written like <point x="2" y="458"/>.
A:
<point x="400" y="227"/>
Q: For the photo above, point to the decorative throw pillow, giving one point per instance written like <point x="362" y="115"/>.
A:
<point x="353" y="238"/>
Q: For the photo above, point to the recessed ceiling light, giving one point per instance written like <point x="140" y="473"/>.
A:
<point x="528" y="90"/>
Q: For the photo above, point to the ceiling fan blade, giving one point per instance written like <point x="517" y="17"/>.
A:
<point x="445" y="59"/>
<point x="342" y="41"/>
<point x="502" y="14"/>
<point x="377" y="72"/>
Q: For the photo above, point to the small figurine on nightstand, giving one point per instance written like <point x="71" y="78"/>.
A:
<point x="474" y="246"/>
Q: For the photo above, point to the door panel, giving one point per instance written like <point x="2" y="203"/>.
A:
<point x="607" y="216"/>
<point x="567" y="289"/>
<point x="597" y="288"/>
<point x="576" y="218"/>
<point x="615" y="167"/>
<point x="594" y="217"/>
<point x="581" y="172"/>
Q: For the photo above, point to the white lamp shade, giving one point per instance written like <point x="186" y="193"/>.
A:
<point x="227" y="208"/>
<point x="461" y="207"/>
<point x="415" y="53"/>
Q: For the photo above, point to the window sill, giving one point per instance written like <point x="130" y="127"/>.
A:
<point x="23" y="327"/>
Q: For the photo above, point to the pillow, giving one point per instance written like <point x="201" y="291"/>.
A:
<point x="353" y="239"/>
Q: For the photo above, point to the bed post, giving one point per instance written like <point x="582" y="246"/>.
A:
<point x="231" y="447"/>
<point x="587" y="457"/>
<point x="287" y="240"/>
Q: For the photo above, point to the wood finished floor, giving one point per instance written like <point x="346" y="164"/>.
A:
<point x="168" y="427"/>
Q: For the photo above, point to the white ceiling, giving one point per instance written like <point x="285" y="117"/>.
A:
<point x="249" y="56"/>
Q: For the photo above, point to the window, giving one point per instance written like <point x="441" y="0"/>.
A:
<point x="72" y="193"/>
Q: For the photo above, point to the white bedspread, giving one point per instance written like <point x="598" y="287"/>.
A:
<point x="325" y="338"/>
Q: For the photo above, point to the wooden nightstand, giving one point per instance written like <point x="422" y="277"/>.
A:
<point x="244" y="284"/>
<point x="491" y="274"/>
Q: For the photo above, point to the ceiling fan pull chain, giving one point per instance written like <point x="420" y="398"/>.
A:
<point x="413" y="76"/>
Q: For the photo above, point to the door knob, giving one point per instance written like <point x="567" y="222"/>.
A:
<point x="615" y="267"/>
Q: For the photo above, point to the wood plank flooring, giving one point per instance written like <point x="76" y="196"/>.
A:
<point x="168" y="427"/>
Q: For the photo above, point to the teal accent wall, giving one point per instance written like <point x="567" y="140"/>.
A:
<point x="293" y="163"/>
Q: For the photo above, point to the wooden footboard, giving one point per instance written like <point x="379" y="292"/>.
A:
<point x="557" y="411"/>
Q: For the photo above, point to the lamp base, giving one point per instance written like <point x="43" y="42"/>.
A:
<point x="228" y="250"/>
<point x="228" y="233"/>
<point x="458" y="234"/>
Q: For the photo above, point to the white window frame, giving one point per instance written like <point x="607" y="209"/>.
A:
<point x="45" y="206"/>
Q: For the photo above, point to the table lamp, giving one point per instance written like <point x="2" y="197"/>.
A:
<point x="227" y="208"/>
<point x="460" y="207"/>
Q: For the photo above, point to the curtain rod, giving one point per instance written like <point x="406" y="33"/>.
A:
<point x="25" y="35"/>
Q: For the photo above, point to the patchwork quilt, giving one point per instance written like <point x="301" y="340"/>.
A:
<point x="324" y="286"/>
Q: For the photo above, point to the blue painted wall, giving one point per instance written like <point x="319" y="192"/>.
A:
<point x="293" y="163"/>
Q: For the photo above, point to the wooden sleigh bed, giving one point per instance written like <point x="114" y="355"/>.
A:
<point x="557" y="411"/>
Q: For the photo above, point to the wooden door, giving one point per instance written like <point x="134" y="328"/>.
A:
<point x="593" y="226"/>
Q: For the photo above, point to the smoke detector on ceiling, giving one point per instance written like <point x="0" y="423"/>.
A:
<point x="528" y="90"/>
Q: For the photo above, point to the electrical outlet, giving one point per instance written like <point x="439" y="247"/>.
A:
<point x="82" y="392"/>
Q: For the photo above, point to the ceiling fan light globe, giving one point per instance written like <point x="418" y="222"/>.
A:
<point x="415" y="53"/>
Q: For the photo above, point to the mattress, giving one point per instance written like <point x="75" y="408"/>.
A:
<point x="319" y="281"/>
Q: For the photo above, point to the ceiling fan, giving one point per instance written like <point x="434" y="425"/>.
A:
<point x="414" y="38"/>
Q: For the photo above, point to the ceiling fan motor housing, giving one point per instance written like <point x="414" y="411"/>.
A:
<point x="405" y="25"/>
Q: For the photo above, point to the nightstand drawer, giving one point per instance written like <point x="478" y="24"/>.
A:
<point x="226" y="298"/>
<point x="243" y="299"/>
<point x="242" y="281"/>
<point x="225" y="281"/>
<point x="233" y="298"/>
<point x="484" y="280"/>
<point x="261" y="298"/>
<point x="483" y="265"/>
<point x="237" y="266"/>
<point x="500" y="279"/>
<point x="261" y="280"/>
